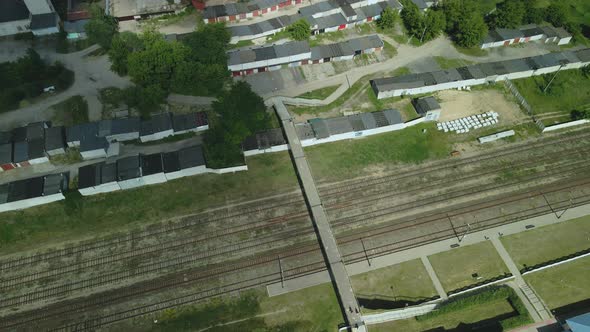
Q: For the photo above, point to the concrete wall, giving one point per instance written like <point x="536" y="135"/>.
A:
<point x="37" y="161"/>
<point x="132" y="183"/>
<point x="566" y="125"/>
<point x="123" y="137"/>
<point x="155" y="178"/>
<point x="495" y="137"/>
<point x="94" y="154"/>
<point x="27" y="203"/>
<point x="100" y="189"/>
<point x="56" y="152"/>
<point x="14" y="27"/>
<point x="156" y="136"/>
<point x="46" y="31"/>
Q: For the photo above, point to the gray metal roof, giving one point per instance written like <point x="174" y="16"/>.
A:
<point x="43" y="21"/>
<point x="89" y="176"/>
<point x="54" y="138"/>
<point x="191" y="157"/>
<point x="128" y="168"/>
<point x="156" y="124"/>
<point x="5" y="153"/>
<point x="55" y="183"/>
<point x="242" y="56"/>
<point x="36" y="148"/>
<point x="13" y="11"/>
<point x="92" y="143"/>
<point x="20" y="151"/>
<point x="426" y="104"/>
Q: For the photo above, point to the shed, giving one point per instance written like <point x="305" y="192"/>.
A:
<point x="6" y="160"/>
<point x="129" y="172"/>
<point x="55" y="141"/>
<point x="36" y="151"/>
<point x="157" y="127"/>
<point x="93" y="147"/>
<point x="152" y="168"/>
<point x="185" y="162"/>
<point x="190" y="122"/>
<point x="428" y="108"/>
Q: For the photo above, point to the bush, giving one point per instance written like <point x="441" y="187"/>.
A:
<point x="299" y="30"/>
<point x="387" y="19"/>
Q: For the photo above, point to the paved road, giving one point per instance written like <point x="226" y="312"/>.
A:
<point x="407" y="55"/>
<point x="437" y="284"/>
<point x="91" y="74"/>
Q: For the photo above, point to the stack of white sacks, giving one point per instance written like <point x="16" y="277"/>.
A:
<point x="471" y="122"/>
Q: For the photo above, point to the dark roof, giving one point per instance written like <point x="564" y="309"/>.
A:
<point x="426" y="104"/>
<point x="5" y="153"/>
<point x="20" y="151"/>
<point x="118" y="126"/>
<point x="92" y="143"/>
<point x="151" y="164"/>
<point x="77" y="132"/>
<point x="19" y="134"/>
<point x="35" y="130"/>
<point x="270" y="138"/>
<point x="54" y="138"/>
<point x="55" y="183"/>
<point x="5" y="137"/>
<point x="43" y="21"/>
<point x="188" y="121"/>
<point x="13" y="10"/>
<point x="4" y="193"/>
<point x="128" y="168"/>
<point x="157" y="123"/>
<point x="36" y="149"/>
<point x="191" y="157"/>
<point x="171" y="162"/>
<point x="25" y="189"/>
<point x="89" y="176"/>
<point x="108" y="173"/>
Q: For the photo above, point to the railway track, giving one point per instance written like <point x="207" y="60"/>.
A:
<point x="352" y="257"/>
<point x="202" y="257"/>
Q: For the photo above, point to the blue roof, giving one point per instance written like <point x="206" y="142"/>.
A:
<point x="579" y="323"/>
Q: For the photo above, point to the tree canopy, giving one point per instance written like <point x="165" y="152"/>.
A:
<point x="423" y="26"/>
<point x="101" y="28"/>
<point x="508" y="14"/>
<point x="122" y="45"/>
<point x="241" y="113"/>
<point x="464" y="22"/>
<point x="556" y="14"/>
<point x="388" y="19"/>
<point x="299" y="30"/>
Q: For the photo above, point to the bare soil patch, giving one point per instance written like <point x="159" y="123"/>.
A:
<point x="458" y="104"/>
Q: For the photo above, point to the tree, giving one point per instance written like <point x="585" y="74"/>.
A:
<point x="413" y="19"/>
<point x="509" y="14"/>
<point x="556" y="14"/>
<point x="145" y="99"/>
<point x="585" y="71"/>
<point x="241" y="113"/>
<point x="434" y="24"/>
<point x="299" y="30"/>
<point x="156" y="63"/>
<point x="578" y="115"/>
<point x="122" y="45"/>
<point x="209" y="43"/>
<point x="101" y="27"/>
<point x="471" y="31"/>
<point x="387" y="19"/>
<point x="532" y="13"/>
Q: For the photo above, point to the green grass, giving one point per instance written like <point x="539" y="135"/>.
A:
<point x="405" y="281"/>
<point x="338" y="102"/>
<point x="328" y="37"/>
<point x="241" y="43"/>
<point x="563" y="284"/>
<point x="569" y="90"/>
<point x="85" y="217"/>
<point x="455" y="314"/>
<point x="311" y="309"/>
<point x="350" y="158"/>
<point x="71" y="111"/>
<point x="447" y="63"/>
<point x="455" y="267"/>
<point x="550" y="242"/>
<point x="321" y="94"/>
<point x="278" y="36"/>
<point x="72" y="156"/>
<point x="389" y="50"/>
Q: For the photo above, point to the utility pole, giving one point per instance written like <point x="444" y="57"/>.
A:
<point x="548" y="84"/>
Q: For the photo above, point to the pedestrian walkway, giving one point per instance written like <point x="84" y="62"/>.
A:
<point x="327" y="239"/>
<point x="534" y="305"/>
<point x="437" y="284"/>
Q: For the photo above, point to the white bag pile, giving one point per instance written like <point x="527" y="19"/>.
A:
<point x="471" y="122"/>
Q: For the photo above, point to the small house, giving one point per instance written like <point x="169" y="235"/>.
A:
<point x="129" y="172"/>
<point x="157" y="127"/>
<point x="152" y="168"/>
<point x="428" y="108"/>
<point x="55" y="141"/>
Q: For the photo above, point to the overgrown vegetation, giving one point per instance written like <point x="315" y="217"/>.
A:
<point x="422" y="26"/>
<point x="487" y="295"/>
<point x="321" y="94"/>
<point x="71" y="111"/>
<point x="388" y="19"/>
<point x="241" y="113"/>
<point x="26" y="78"/>
<point x="101" y="28"/>
<point x="299" y="30"/>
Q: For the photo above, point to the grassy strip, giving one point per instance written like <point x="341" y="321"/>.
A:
<point x="487" y="295"/>
<point x="569" y="90"/>
<point x="546" y="243"/>
<point x="389" y="50"/>
<point x="71" y="111"/>
<point x="473" y="51"/>
<point x="79" y="217"/>
<point x="321" y="94"/>
<point x="564" y="284"/>
<point x="447" y="63"/>
<point x="241" y="43"/>
<point x="358" y="85"/>
<point x="346" y="159"/>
